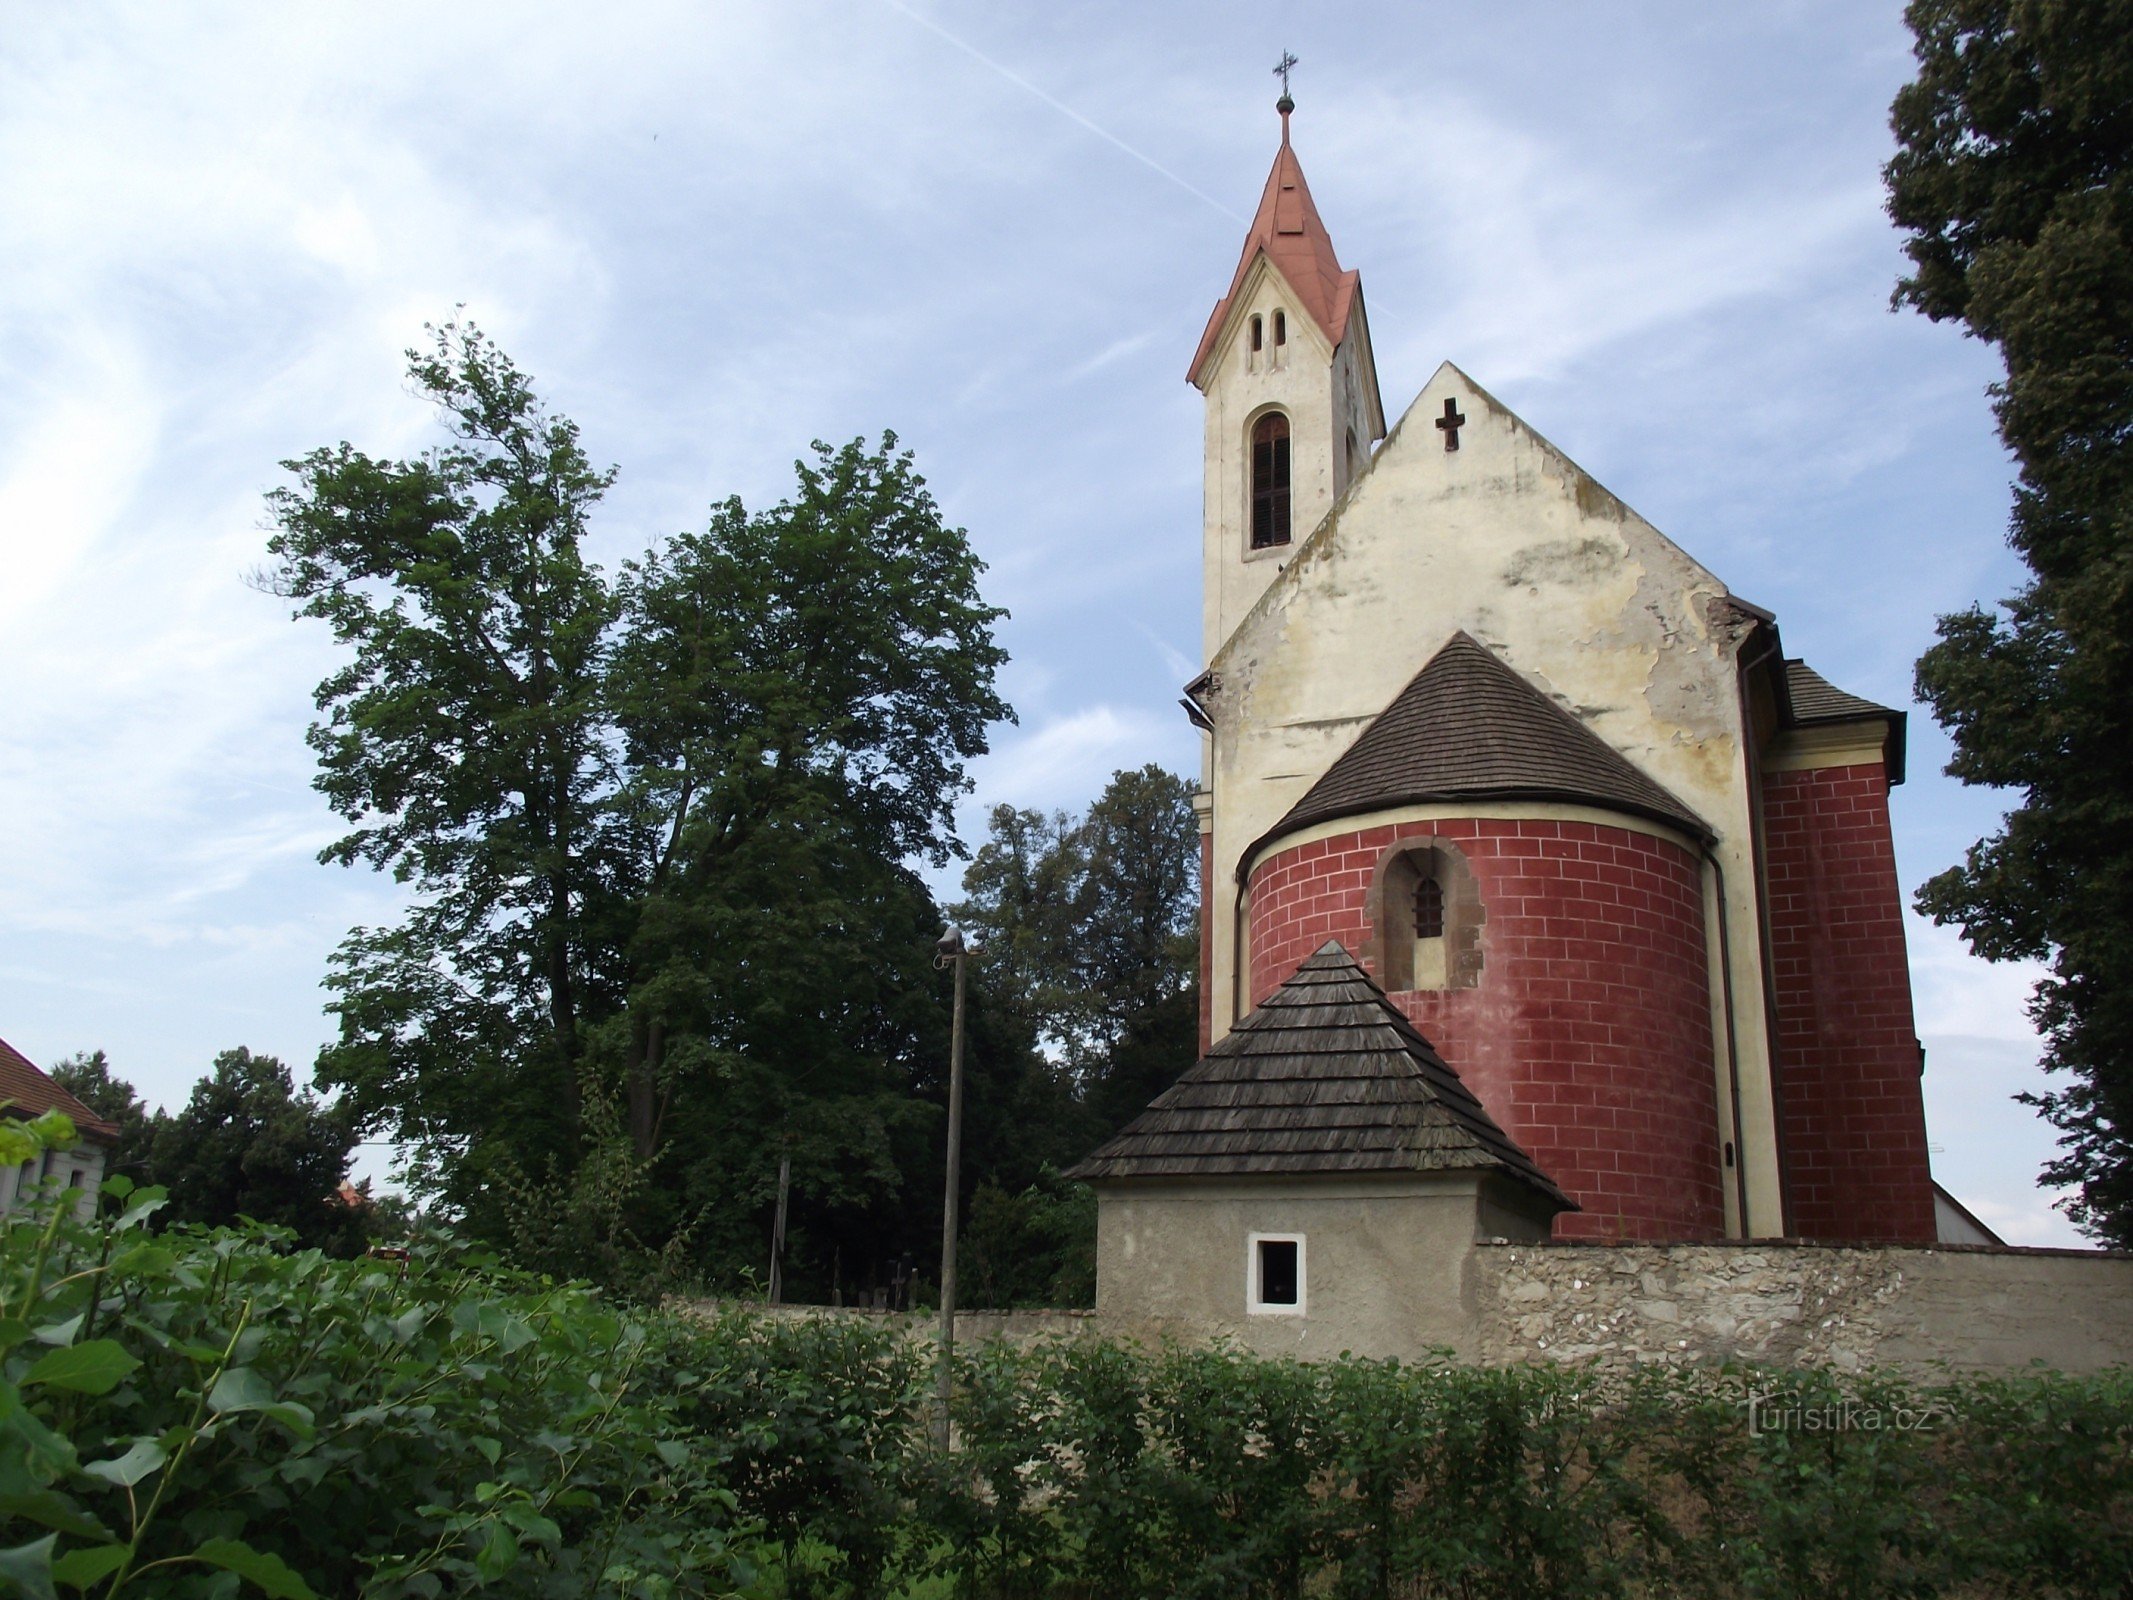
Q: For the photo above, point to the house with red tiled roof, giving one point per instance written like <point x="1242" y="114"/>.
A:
<point x="27" y="1091"/>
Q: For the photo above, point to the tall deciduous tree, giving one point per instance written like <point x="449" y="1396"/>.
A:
<point x="463" y="742"/>
<point x="2014" y="177"/>
<point x="656" y="824"/>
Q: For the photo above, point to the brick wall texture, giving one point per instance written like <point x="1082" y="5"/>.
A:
<point x="1852" y="1111"/>
<point x="1588" y="1035"/>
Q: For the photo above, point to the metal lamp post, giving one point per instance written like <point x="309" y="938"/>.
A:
<point x="949" y="950"/>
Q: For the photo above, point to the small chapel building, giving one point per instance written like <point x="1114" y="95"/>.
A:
<point x="1600" y="879"/>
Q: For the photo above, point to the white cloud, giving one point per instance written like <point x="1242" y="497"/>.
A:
<point x="1066" y="760"/>
<point x="715" y="232"/>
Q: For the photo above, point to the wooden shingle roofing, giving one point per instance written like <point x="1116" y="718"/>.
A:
<point x="1326" y="1076"/>
<point x="1812" y="701"/>
<point x="1468" y="727"/>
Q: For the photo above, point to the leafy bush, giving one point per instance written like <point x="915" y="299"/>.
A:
<point x="193" y="1413"/>
<point x="185" y="1410"/>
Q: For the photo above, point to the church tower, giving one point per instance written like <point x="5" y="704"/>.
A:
<point x="1291" y="391"/>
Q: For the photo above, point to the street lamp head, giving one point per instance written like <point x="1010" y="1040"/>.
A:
<point x="950" y="944"/>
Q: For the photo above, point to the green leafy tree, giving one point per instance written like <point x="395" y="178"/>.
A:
<point x="1088" y="925"/>
<point x="797" y="691"/>
<point x="1139" y="895"/>
<point x="462" y="741"/>
<point x="87" y="1076"/>
<point x="248" y="1144"/>
<point x="2014" y="178"/>
<point x="657" y="825"/>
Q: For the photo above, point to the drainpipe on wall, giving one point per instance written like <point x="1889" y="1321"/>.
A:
<point x="1751" y="772"/>
<point x="1725" y="978"/>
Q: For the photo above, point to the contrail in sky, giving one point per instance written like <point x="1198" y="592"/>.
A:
<point x="1061" y="107"/>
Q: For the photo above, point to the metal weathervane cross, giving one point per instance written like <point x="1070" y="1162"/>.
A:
<point x="1282" y="72"/>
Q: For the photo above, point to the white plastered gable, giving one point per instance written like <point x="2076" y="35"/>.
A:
<point x="1509" y="540"/>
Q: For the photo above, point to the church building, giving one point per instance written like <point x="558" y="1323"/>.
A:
<point x="1537" y="880"/>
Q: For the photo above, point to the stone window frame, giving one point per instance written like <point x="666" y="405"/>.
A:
<point x="1400" y="870"/>
<point x="1280" y="497"/>
<point x="1253" y="1304"/>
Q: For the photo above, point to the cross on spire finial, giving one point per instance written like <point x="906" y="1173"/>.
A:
<point x="1284" y="105"/>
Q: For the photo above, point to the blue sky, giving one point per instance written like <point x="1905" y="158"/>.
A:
<point x="715" y="232"/>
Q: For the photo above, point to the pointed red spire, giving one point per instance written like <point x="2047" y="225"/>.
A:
<point x="1290" y="231"/>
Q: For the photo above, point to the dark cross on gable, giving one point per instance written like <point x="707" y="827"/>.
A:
<point x="1451" y="422"/>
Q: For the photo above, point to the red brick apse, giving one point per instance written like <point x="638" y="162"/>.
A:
<point x="1586" y="1031"/>
<point x="1851" y="1109"/>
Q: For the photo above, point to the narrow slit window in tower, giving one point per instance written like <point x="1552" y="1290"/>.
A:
<point x="1281" y="327"/>
<point x="1258" y="333"/>
<point x="1270" y="478"/>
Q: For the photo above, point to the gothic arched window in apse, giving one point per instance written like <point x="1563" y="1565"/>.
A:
<point x="1270" y="481"/>
<point x="1428" y="918"/>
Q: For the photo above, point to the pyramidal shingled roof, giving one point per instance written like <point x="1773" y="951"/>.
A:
<point x="1288" y="228"/>
<point x="1468" y="727"/>
<point x="1326" y="1076"/>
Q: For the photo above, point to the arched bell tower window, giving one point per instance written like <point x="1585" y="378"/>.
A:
<point x="1427" y="914"/>
<point x="1258" y="333"/>
<point x="1281" y="327"/>
<point x="1270" y="478"/>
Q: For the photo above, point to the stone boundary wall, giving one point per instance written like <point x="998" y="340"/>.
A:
<point x="1802" y="1304"/>
<point x="971" y="1327"/>
<point x="1915" y="1308"/>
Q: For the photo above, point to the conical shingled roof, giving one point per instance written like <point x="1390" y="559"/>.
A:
<point x="1326" y="1076"/>
<point x="1288" y="228"/>
<point x="1469" y="728"/>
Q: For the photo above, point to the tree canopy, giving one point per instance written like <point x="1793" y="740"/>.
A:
<point x="2014" y="180"/>
<point x="1085" y="928"/>
<point x="657" y="826"/>
<point x="247" y="1143"/>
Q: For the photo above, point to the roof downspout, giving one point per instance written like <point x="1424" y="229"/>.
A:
<point x="1751" y="772"/>
<point x="1725" y="978"/>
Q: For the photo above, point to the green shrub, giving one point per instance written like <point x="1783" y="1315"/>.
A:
<point x="185" y="1410"/>
<point x="193" y="1413"/>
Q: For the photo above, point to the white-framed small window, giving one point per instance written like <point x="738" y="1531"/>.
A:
<point x="1274" y="1281"/>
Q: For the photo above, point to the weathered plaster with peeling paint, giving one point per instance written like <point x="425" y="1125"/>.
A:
<point x="1510" y="540"/>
